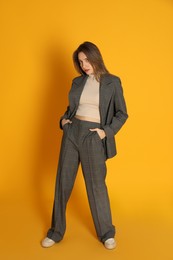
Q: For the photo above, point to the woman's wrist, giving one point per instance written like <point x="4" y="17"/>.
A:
<point x="65" y="121"/>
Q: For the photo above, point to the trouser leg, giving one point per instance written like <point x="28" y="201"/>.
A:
<point x="94" y="171"/>
<point x="66" y="174"/>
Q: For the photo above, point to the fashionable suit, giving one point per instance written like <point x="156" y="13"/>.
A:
<point x="113" y="112"/>
<point x="80" y="145"/>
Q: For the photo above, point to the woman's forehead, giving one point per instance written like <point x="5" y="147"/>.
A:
<point x="82" y="56"/>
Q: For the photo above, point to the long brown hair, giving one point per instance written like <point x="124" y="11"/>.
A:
<point x="94" y="57"/>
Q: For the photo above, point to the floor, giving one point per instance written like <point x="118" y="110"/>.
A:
<point x="25" y="222"/>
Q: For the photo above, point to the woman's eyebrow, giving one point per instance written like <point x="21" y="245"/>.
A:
<point x="83" y="59"/>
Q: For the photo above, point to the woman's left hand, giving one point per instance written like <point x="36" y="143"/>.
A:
<point x="100" y="132"/>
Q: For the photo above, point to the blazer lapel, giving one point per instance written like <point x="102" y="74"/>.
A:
<point x="105" y="95"/>
<point x="79" y="88"/>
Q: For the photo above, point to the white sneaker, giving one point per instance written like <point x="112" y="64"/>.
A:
<point x="110" y="243"/>
<point x="47" y="242"/>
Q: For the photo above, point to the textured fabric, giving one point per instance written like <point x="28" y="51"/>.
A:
<point x="79" y="144"/>
<point x="89" y="100"/>
<point x="112" y="107"/>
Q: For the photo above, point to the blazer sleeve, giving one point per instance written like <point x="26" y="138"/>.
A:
<point x="66" y="116"/>
<point x="120" y="111"/>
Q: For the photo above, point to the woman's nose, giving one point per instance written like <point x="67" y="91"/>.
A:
<point x="84" y="66"/>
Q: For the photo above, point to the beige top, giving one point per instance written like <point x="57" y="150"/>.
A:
<point x="89" y="100"/>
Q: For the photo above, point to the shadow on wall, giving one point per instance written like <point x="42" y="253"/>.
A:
<point x="48" y="139"/>
<point x="54" y="87"/>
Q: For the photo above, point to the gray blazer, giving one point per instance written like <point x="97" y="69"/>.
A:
<point x="113" y="112"/>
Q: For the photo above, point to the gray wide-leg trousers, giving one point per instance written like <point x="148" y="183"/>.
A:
<point x="80" y="145"/>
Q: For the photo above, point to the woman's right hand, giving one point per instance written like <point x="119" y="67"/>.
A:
<point x="65" y="121"/>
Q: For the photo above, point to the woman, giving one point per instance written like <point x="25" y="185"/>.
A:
<point x="96" y="112"/>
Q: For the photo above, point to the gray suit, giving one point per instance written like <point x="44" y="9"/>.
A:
<point x="113" y="110"/>
<point x="80" y="145"/>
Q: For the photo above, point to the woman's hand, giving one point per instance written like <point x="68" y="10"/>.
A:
<point x="65" y="121"/>
<point x="100" y="132"/>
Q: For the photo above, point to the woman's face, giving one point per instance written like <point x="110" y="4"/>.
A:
<point x="84" y="63"/>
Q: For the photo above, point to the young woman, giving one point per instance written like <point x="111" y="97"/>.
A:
<point x="96" y="112"/>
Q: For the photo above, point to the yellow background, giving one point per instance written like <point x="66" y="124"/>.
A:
<point x="37" y="42"/>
